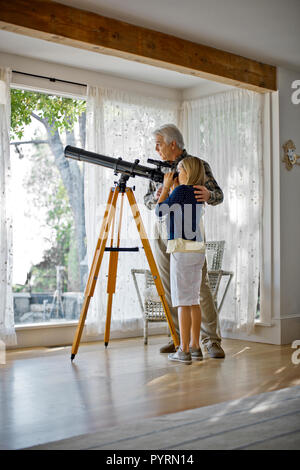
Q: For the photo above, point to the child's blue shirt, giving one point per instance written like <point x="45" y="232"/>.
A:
<point x="183" y="214"/>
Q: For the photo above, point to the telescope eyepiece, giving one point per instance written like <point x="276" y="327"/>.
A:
<point x="160" y="163"/>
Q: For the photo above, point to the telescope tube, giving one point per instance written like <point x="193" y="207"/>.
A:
<point x="117" y="164"/>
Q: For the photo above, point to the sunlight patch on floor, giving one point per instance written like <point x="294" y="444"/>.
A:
<point x="240" y="352"/>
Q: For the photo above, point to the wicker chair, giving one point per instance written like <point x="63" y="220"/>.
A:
<point x="150" y="304"/>
<point x="214" y="257"/>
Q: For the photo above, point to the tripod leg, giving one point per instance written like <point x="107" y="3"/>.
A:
<point x="151" y="262"/>
<point x="112" y="276"/>
<point x="111" y="288"/>
<point x="93" y="275"/>
<point x="105" y="218"/>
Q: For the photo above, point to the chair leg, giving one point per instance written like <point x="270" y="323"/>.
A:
<point x="146" y="331"/>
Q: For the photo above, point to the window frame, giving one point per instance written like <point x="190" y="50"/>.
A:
<point x="65" y="90"/>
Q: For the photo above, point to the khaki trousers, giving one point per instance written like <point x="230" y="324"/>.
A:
<point x="209" y="324"/>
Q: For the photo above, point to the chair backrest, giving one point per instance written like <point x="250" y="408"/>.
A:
<point x="214" y="254"/>
<point x="148" y="279"/>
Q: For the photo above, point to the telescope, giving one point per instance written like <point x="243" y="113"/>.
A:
<point x="128" y="169"/>
<point x="160" y="163"/>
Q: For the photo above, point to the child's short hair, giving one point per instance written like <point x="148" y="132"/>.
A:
<point x="194" y="169"/>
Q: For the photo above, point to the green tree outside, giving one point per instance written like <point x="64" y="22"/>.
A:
<point x="54" y="182"/>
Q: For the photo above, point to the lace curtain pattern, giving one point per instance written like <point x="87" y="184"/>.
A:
<point x="226" y="131"/>
<point x="7" y="331"/>
<point x="119" y="125"/>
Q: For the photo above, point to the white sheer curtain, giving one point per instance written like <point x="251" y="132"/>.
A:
<point x="119" y="124"/>
<point x="7" y="330"/>
<point x="225" y="130"/>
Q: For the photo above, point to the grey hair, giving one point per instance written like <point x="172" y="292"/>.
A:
<point x="170" y="132"/>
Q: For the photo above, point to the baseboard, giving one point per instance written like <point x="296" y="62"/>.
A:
<point x="63" y="335"/>
<point x="290" y="328"/>
<point x="262" y="334"/>
<point x="281" y="331"/>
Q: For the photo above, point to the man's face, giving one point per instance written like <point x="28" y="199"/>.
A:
<point x="165" y="150"/>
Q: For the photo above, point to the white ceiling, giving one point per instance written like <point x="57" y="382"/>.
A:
<point x="265" y="30"/>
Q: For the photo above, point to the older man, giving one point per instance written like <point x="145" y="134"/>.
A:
<point x="170" y="147"/>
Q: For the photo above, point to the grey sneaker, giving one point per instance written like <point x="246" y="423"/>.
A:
<point x="181" y="356"/>
<point x="196" y="354"/>
<point x="215" y="351"/>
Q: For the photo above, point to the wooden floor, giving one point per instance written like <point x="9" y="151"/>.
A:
<point x="44" y="397"/>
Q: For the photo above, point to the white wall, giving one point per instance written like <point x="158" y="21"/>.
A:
<point x="289" y="122"/>
<point x="205" y="89"/>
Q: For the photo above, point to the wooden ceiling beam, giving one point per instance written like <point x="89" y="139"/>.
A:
<point x="70" y="26"/>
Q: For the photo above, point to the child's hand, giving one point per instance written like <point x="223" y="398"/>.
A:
<point x="168" y="180"/>
<point x="175" y="182"/>
<point x="158" y="192"/>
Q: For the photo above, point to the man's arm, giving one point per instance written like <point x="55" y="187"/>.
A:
<point x="150" y="198"/>
<point x="216" y="194"/>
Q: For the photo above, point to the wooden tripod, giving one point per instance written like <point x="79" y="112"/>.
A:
<point x="107" y="223"/>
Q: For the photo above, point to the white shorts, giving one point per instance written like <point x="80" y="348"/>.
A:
<point x="185" y="277"/>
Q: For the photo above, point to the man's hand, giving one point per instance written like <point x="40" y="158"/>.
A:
<point x="202" y="194"/>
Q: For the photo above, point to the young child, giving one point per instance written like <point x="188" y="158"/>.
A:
<point x="186" y="245"/>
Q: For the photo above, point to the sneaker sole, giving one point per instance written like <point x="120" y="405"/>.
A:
<point x="180" y="360"/>
<point x="197" y="358"/>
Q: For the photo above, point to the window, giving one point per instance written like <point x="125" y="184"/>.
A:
<point x="49" y="272"/>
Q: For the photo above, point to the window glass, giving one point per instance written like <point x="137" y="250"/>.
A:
<point x="48" y="215"/>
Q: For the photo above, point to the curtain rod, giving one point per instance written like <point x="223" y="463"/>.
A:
<point x="49" y="78"/>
